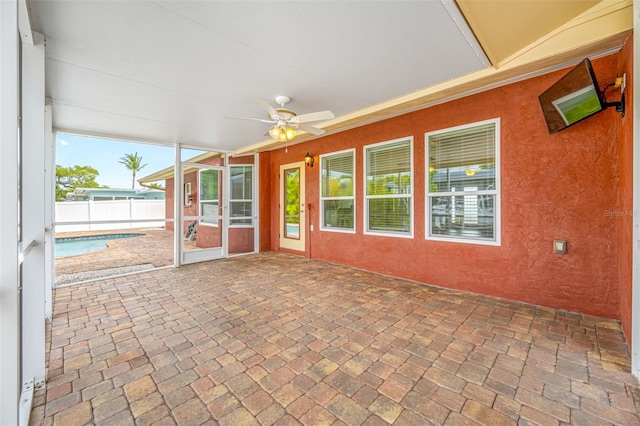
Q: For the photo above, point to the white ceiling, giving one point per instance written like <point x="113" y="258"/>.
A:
<point x="171" y="71"/>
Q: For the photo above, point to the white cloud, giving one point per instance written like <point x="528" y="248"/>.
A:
<point x="63" y="142"/>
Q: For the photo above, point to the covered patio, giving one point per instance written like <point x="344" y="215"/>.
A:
<point x="533" y="242"/>
<point x="272" y="338"/>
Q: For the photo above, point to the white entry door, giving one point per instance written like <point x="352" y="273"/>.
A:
<point x="292" y="207"/>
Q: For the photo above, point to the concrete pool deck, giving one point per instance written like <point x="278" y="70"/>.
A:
<point x="154" y="247"/>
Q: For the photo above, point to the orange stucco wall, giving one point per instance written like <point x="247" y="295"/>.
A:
<point x="266" y="206"/>
<point x="559" y="186"/>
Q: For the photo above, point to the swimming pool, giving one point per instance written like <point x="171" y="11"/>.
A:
<point x="74" y="246"/>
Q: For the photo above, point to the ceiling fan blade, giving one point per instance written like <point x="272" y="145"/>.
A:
<point x="310" y="129"/>
<point x="270" y="110"/>
<point x="314" y="116"/>
<point x="262" y="120"/>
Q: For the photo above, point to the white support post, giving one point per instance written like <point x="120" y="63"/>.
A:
<point x="49" y="208"/>
<point x="256" y="202"/>
<point x="33" y="210"/>
<point x="224" y="200"/>
<point x="178" y="193"/>
<point x="10" y="378"/>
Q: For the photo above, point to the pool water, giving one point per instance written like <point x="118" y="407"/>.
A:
<point x="74" y="246"/>
<point x="292" y="230"/>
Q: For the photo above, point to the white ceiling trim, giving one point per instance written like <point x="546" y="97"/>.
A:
<point x="466" y="32"/>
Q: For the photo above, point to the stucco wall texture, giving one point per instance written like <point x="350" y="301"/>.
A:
<point x="561" y="186"/>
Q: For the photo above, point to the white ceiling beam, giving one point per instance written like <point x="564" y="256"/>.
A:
<point x="24" y="23"/>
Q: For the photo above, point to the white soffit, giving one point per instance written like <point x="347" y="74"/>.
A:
<point x="172" y="70"/>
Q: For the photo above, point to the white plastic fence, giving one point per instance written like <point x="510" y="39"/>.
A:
<point x="117" y="210"/>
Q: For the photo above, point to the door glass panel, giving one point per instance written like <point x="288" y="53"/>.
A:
<point x="209" y="191"/>
<point x="202" y="223"/>
<point x="292" y="203"/>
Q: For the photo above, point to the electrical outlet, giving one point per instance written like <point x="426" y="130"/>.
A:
<point x="559" y="246"/>
<point x="621" y="82"/>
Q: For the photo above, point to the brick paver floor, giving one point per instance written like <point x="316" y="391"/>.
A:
<point x="278" y="339"/>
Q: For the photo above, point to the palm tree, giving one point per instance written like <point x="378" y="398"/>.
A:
<point x="132" y="162"/>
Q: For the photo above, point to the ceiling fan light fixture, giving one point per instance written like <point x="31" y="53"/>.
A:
<point x="274" y="132"/>
<point x="286" y="123"/>
<point x="289" y="132"/>
<point x="282" y="133"/>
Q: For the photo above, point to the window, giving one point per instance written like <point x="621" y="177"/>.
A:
<point x="337" y="190"/>
<point x="241" y="201"/>
<point x="187" y="194"/>
<point x="389" y="188"/>
<point x="209" y="189"/>
<point x="463" y="189"/>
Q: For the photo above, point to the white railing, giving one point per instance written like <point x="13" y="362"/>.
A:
<point x="125" y="214"/>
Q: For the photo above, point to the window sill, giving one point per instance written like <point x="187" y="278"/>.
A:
<point x="464" y="240"/>
<point x="338" y="230"/>
<point x="389" y="234"/>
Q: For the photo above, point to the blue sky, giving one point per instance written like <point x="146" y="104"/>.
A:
<point x="103" y="155"/>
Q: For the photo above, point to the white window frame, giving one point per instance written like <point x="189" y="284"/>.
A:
<point x="496" y="192"/>
<point x="200" y="201"/>
<point x="187" y="193"/>
<point x="352" y="197"/>
<point x="409" y="196"/>
<point x="232" y="200"/>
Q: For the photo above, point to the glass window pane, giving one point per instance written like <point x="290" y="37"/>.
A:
<point x="464" y="157"/>
<point x="388" y="187"/>
<point x="390" y="214"/>
<point x="468" y="216"/>
<point x="209" y="210"/>
<point x="209" y="185"/>
<point x="241" y="182"/>
<point x="461" y="162"/>
<point x="241" y="208"/>
<point x="337" y="175"/>
<point x="483" y="177"/>
<point x="338" y="214"/>
<point x="292" y="203"/>
<point x="388" y="169"/>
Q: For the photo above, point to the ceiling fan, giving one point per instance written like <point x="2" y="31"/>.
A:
<point x="286" y="122"/>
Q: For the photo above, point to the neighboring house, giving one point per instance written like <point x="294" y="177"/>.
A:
<point x="109" y="194"/>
